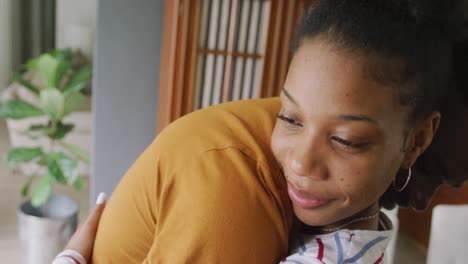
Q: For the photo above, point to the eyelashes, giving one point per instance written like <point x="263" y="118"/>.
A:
<point x="293" y="124"/>
<point x="288" y="120"/>
<point x="350" y="144"/>
<point x="342" y="141"/>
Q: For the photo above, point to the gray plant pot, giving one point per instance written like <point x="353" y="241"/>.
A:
<point x="44" y="231"/>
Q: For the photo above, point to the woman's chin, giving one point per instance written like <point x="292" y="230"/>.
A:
<point x="311" y="218"/>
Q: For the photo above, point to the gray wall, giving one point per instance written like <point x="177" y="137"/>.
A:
<point x="125" y="86"/>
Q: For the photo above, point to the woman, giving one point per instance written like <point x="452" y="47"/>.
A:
<point x="361" y="103"/>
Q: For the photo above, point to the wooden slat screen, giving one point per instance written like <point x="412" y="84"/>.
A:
<point x="221" y="50"/>
<point x="231" y="50"/>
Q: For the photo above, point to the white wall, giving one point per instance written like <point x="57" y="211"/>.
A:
<point x="72" y="13"/>
<point x="5" y="43"/>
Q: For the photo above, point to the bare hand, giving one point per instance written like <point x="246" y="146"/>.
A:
<point x="83" y="239"/>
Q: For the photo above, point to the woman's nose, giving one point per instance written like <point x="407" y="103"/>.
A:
<point x="299" y="167"/>
<point x="306" y="163"/>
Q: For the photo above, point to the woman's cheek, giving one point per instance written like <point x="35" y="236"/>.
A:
<point x="275" y="143"/>
<point x="281" y="144"/>
<point x="354" y="182"/>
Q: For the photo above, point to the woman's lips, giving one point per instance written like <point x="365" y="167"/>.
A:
<point x="304" y="201"/>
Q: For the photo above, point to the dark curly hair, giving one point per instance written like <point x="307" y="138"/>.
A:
<point x="422" y="36"/>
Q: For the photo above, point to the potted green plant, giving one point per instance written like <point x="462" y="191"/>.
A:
<point x="46" y="221"/>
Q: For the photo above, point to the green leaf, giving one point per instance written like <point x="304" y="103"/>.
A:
<point x="61" y="131"/>
<point x="62" y="168"/>
<point x="42" y="191"/>
<point x="62" y="69"/>
<point x="20" y="80"/>
<point x="47" y="67"/>
<point x="73" y="102"/>
<point x="58" y="132"/>
<point x="42" y="161"/>
<point x="37" y="127"/>
<point x="53" y="103"/>
<point x="26" y="186"/>
<point x="79" y="80"/>
<point x="37" y="131"/>
<point x="32" y="64"/>
<point x="79" y="184"/>
<point x="18" y="109"/>
<point x="22" y="155"/>
<point x="61" y="54"/>
<point x="76" y="151"/>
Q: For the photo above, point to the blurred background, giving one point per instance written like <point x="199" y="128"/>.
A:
<point x="28" y="29"/>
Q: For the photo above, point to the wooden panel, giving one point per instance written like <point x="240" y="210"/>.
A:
<point x="284" y="58"/>
<point x="179" y="73"/>
<point x="181" y="51"/>
<point x="284" y="18"/>
<point x="307" y="3"/>
<point x="271" y="60"/>
<point x="168" y="64"/>
<point x="230" y="53"/>
<point x="192" y="39"/>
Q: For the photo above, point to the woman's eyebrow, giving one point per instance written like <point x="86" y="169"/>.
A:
<point x="356" y="118"/>
<point x="286" y="93"/>
<point x="359" y="118"/>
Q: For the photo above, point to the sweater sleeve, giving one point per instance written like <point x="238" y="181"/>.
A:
<point x="220" y="210"/>
<point x="205" y="191"/>
<point x="216" y="208"/>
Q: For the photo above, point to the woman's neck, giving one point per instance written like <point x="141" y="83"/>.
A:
<point x="367" y="219"/>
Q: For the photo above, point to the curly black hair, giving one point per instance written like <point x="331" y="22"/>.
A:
<point x="424" y="37"/>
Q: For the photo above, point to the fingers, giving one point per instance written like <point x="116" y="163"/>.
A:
<point x="101" y="198"/>
<point x="83" y="239"/>
<point x="92" y="221"/>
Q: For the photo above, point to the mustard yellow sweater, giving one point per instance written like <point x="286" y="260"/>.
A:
<point x="207" y="190"/>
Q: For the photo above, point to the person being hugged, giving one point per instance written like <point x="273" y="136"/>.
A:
<point x="300" y="178"/>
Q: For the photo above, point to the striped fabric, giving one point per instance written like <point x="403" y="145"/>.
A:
<point x="343" y="246"/>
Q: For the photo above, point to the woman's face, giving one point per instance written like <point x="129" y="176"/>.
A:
<point x="339" y="136"/>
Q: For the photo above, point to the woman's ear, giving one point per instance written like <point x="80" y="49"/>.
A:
<point x="420" y="138"/>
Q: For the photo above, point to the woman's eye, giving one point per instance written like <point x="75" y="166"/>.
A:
<point x="288" y="120"/>
<point x="348" y="143"/>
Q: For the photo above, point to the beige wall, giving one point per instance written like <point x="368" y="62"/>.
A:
<point x="70" y="13"/>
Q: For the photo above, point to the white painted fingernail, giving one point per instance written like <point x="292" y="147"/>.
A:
<point x="101" y="198"/>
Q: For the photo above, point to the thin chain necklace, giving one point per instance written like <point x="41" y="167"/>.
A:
<point x="350" y="222"/>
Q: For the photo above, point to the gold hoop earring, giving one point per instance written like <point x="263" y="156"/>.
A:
<point x="406" y="183"/>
